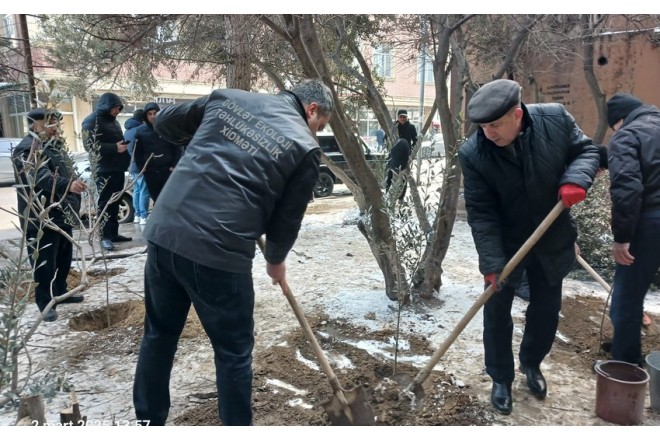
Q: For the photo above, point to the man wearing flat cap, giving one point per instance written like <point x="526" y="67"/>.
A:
<point x="42" y="170"/>
<point x="516" y="165"/>
<point x="634" y="164"/>
<point x="405" y="129"/>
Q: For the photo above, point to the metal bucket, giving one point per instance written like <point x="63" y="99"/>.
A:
<point x="653" y="366"/>
<point x="620" y="392"/>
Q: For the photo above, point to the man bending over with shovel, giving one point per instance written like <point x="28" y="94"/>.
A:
<point x="516" y="165"/>
<point x="249" y="169"/>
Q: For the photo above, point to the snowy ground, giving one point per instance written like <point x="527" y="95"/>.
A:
<point x="331" y="271"/>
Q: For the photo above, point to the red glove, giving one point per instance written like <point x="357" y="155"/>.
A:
<point x="571" y="194"/>
<point x="491" y="279"/>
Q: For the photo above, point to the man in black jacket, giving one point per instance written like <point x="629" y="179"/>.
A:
<point x="397" y="162"/>
<point x="165" y="154"/>
<point x="516" y="165"/>
<point x="406" y="130"/>
<point x="634" y="164"/>
<point x="102" y="135"/>
<point x="250" y="167"/>
<point x="42" y="169"/>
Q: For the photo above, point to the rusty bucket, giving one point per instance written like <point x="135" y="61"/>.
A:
<point x="620" y="392"/>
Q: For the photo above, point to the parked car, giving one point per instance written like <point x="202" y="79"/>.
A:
<point x="330" y="147"/>
<point x="83" y="168"/>
<point x="6" y="165"/>
<point x="433" y="147"/>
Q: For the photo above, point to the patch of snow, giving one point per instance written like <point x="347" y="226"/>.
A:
<point x="287" y="386"/>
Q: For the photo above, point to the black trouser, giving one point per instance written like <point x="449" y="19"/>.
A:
<point x="541" y="321"/>
<point x="156" y="182"/>
<point x="109" y="183"/>
<point x="390" y="177"/>
<point x="224" y="303"/>
<point x="52" y="264"/>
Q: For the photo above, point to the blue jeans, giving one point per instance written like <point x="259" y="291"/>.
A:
<point x="224" y="303"/>
<point x="541" y="321"/>
<point x="631" y="282"/>
<point x="140" y="196"/>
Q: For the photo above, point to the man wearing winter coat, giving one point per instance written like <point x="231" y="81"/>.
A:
<point x="405" y="129"/>
<point x="102" y="135"/>
<point x="165" y="154"/>
<point x="250" y="166"/>
<point x="140" y="191"/>
<point x="634" y="164"/>
<point x="397" y="161"/>
<point x="515" y="167"/>
<point x="42" y="170"/>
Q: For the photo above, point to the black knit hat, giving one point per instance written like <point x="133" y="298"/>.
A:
<point x="493" y="100"/>
<point x="620" y="106"/>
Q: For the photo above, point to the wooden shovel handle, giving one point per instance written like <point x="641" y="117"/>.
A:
<point x="593" y="273"/>
<point x="510" y="266"/>
<point x="309" y="333"/>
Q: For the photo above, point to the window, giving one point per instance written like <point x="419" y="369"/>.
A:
<point x="428" y="69"/>
<point x="382" y="61"/>
<point x="8" y="30"/>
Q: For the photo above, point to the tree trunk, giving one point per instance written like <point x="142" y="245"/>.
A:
<point x="31" y="411"/>
<point x="588" y="68"/>
<point x="238" y="48"/>
<point x="300" y="33"/>
<point x="71" y="416"/>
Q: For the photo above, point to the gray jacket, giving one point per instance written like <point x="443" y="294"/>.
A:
<point x="250" y="166"/>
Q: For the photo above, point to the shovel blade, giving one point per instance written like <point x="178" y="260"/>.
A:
<point x="409" y="385"/>
<point x="357" y="412"/>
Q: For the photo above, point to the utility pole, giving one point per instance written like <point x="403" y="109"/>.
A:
<point x="422" y="85"/>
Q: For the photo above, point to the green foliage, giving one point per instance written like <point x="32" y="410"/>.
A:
<point x="593" y="217"/>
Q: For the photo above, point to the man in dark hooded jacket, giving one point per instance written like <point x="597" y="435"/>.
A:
<point x="397" y="162"/>
<point x="140" y="190"/>
<point x="515" y="167"/>
<point x="165" y="154"/>
<point x="102" y="135"/>
<point x="251" y="163"/>
<point x="634" y="164"/>
<point x="40" y="161"/>
<point x="405" y="129"/>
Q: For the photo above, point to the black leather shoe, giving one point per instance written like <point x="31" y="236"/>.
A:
<point x="51" y="316"/>
<point x="120" y="238"/>
<point x="107" y="245"/>
<point x="500" y="398"/>
<point x="76" y="298"/>
<point x="535" y="381"/>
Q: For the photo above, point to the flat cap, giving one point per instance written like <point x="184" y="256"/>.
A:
<point x="40" y="114"/>
<point x="493" y="100"/>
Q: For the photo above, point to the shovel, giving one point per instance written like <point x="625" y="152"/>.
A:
<point x="347" y="407"/>
<point x="415" y="386"/>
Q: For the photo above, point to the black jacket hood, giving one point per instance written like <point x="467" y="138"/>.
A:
<point x="106" y="102"/>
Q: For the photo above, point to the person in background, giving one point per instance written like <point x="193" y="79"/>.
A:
<point x="397" y="162"/>
<point x="250" y="166"/>
<point x="405" y="129"/>
<point x="102" y="134"/>
<point x="513" y="176"/>
<point x="380" y="139"/>
<point x="165" y="154"/>
<point x="140" y="190"/>
<point x="41" y="158"/>
<point x="634" y="165"/>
